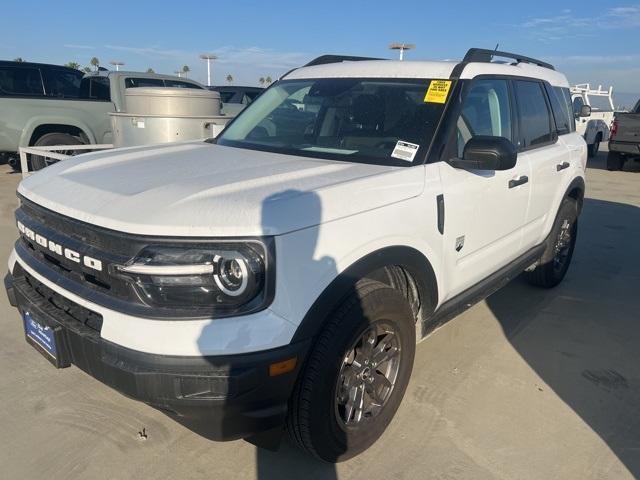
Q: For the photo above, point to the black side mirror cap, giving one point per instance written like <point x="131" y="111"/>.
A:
<point x="484" y="152"/>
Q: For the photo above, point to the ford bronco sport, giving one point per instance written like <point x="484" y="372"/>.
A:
<point x="277" y="278"/>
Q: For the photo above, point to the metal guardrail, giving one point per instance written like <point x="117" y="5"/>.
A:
<point x="52" y="153"/>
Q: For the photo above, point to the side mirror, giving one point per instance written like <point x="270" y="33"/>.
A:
<point x="487" y="153"/>
<point x="585" y="111"/>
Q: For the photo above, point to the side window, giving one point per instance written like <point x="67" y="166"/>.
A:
<point x="535" y="118"/>
<point x="20" y="81"/>
<point x="180" y="84"/>
<point x="559" y="108"/>
<point x="95" y="88"/>
<point x="486" y="111"/>
<point x="62" y="83"/>
<point x="565" y="95"/>
<point x="133" y="82"/>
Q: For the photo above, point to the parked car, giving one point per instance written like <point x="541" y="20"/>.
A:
<point x="594" y="127"/>
<point x="43" y="105"/>
<point x="236" y="98"/>
<point x="625" y="138"/>
<point x="280" y="274"/>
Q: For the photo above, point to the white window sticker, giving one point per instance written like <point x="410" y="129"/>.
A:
<point x="140" y="123"/>
<point x="405" y="151"/>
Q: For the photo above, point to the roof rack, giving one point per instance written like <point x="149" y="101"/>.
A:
<point x="485" y="56"/>
<point x="325" y="59"/>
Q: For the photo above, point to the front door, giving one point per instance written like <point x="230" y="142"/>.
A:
<point x="484" y="210"/>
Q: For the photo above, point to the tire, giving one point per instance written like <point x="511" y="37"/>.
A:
<point x="320" y="422"/>
<point x="50" y="139"/>
<point x="615" y="161"/>
<point x="594" y="148"/>
<point x="555" y="261"/>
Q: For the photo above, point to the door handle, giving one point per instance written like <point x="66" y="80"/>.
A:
<point x="562" y="166"/>
<point x="519" y="181"/>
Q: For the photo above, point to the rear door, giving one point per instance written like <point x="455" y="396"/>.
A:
<point x="548" y="157"/>
<point x="484" y="210"/>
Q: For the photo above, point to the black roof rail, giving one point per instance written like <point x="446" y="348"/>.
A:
<point x="325" y="59"/>
<point x="484" y="55"/>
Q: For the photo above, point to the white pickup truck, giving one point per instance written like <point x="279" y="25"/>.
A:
<point x="594" y="127"/>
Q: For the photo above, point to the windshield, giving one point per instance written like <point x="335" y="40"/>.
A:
<point x="378" y="121"/>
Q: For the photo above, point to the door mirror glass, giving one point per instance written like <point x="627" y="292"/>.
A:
<point x="585" y="111"/>
<point x="487" y="153"/>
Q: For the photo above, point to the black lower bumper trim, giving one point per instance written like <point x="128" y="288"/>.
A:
<point x="221" y="397"/>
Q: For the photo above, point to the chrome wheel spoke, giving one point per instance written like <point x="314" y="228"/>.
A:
<point x="355" y="402"/>
<point x="385" y="350"/>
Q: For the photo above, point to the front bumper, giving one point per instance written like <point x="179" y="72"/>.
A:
<point x="220" y="397"/>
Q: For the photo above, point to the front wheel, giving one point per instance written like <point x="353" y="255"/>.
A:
<point x="356" y="374"/>
<point x="555" y="261"/>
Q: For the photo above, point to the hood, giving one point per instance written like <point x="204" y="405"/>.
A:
<point x="201" y="189"/>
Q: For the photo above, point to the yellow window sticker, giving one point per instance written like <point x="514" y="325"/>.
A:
<point x="438" y="91"/>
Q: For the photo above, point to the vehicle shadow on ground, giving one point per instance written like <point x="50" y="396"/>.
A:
<point x="290" y="461"/>
<point x="582" y="338"/>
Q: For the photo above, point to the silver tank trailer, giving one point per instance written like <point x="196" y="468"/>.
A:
<point x="161" y="115"/>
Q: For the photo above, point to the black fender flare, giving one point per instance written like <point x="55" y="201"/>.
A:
<point x="576" y="190"/>
<point x="412" y="260"/>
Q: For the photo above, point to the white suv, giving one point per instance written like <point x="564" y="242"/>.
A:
<point x="280" y="275"/>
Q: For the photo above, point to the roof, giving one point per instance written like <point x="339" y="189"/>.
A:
<point x="35" y="64"/>
<point x="419" y="69"/>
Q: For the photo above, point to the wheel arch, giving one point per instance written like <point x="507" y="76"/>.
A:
<point x="43" y="126"/>
<point x="388" y="264"/>
<point x="576" y="191"/>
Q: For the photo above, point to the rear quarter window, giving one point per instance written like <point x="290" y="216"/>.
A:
<point x="20" y="81"/>
<point x="561" y="112"/>
<point x="133" y="82"/>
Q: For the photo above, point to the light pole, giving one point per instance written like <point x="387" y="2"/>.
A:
<point x="208" y="57"/>
<point x="402" y="47"/>
<point x="117" y="64"/>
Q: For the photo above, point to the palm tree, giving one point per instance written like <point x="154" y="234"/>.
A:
<point x="186" y="70"/>
<point x="262" y="80"/>
<point x="268" y="81"/>
<point x="229" y="78"/>
<point x="150" y="70"/>
<point x="75" y="65"/>
<point x="18" y="59"/>
<point x="95" y="63"/>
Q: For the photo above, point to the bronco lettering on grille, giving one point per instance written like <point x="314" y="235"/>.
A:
<point x="60" y="250"/>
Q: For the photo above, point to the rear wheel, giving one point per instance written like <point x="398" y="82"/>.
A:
<point x="356" y="374"/>
<point x="615" y="161"/>
<point x="555" y="261"/>
<point x="38" y="162"/>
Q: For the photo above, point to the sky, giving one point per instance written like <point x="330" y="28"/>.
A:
<point x="596" y="42"/>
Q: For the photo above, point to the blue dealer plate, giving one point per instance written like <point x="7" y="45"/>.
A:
<point x="40" y="334"/>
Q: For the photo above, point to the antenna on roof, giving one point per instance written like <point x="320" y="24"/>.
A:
<point x="495" y="50"/>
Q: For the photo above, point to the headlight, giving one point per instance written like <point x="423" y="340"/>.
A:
<point x="225" y="277"/>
